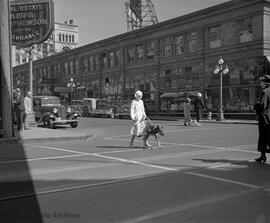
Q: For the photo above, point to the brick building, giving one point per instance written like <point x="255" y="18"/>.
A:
<point x="170" y="60"/>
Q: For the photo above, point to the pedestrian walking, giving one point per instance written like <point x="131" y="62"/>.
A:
<point x="20" y="111"/>
<point x="138" y="116"/>
<point x="28" y="109"/>
<point x="198" y="108"/>
<point x="187" y="109"/>
<point x="168" y="107"/>
<point x="262" y="109"/>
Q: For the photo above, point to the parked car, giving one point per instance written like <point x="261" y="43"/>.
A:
<point x="50" y="112"/>
<point x="77" y="106"/>
<point x="98" y="107"/>
<point x="89" y="105"/>
<point x="104" y="110"/>
<point x="123" y="110"/>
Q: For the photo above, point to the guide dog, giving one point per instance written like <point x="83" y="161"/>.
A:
<point x="151" y="129"/>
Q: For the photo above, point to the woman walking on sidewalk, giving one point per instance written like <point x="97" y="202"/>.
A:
<point x="187" y="109"/>
<point x="198" y="107"/>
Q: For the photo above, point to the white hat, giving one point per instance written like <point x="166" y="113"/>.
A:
<point x="138" y="94"/>
<point x="199" y="94"/>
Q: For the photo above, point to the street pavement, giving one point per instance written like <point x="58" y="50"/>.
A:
<point x="201" y="174"/>
<point x="39" y="133"/>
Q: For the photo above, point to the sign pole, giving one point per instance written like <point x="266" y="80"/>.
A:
<point x="31" y="71"/>
<point x="5" y="72"/>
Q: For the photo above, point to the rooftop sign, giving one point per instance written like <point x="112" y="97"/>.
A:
<point x="32" y="21"/>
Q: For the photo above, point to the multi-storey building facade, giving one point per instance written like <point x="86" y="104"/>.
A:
<point x="169" y="59"/>
<point x="64" y="37"/>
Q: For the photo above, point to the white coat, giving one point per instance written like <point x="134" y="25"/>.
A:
<point x="137" y="114"/>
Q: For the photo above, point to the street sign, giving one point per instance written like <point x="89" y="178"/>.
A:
<point x="32" y="21"/>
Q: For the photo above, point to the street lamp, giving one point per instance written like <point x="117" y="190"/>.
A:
<point x="221" y="69"/>
<point x="71" y="84"/>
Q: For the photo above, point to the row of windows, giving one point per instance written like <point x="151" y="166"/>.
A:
<point x="169" y="46"/>
<point x="66" y="38"/>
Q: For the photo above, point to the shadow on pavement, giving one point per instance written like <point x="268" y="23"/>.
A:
<point x="28" y="211"/>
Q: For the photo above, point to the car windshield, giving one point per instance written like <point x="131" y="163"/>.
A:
<point x="50" y="101"/>
<point x="102" y="106"/>
<point x="77" y="102"/>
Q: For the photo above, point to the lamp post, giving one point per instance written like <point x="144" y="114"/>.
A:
<point x="71" y="84"/>
<point x="221" y="69"/>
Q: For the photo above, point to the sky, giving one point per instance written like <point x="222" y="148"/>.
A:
<point x="100" y="19"/>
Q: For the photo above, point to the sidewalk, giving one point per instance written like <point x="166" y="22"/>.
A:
<point x="40" y="134"/>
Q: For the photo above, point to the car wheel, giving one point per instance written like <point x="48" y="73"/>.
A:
<point x="74" y="124"/>
<point x="48" y="123"/>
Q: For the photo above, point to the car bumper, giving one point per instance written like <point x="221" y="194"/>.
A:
<point x="63" y="121"/>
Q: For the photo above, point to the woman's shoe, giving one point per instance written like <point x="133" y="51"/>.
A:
<point x="261" y="159"/>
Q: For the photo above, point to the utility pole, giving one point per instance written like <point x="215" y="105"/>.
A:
<point x="5" y="69"/>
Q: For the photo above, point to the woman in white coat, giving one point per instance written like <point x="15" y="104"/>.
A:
<point x="137" y="114"/>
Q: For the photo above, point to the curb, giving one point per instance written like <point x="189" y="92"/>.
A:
<point x="16" y="140"/>
<point x="230" y="122"/>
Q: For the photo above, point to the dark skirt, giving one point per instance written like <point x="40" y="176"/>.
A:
<point x="264" y="136"/>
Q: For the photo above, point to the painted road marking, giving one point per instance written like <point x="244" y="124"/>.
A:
<point x="179" y="130"/>
<point x="39" y="159"/>
<point x="223" y="180"/>
<point x="58" y="149"/>
<point x="135" y="162"/>
<point x="192" y="205"/>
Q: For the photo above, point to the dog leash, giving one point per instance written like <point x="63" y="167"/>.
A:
<point x="149" y="120"/>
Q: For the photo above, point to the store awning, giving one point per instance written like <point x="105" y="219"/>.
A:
<point x="169" y="95"/>
<point x="179" y="94"/>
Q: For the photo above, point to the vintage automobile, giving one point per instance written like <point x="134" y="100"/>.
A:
<point x="104" y="110"/>
<point x="77" y="106"/>
<point x="98" y="107"/>
<point x="89" y="105"/>
<point x="50" y="112"/>
<point x="123" y="110"/>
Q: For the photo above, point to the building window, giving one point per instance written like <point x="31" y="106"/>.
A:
<point x="45" y="49"/>
<point x="167" y="47"/>
<point x="214" y="37"/>
<point x="111" y="59"/>
<point x="245" y="30"/>
<point x="71" y="68"/>
<point x="150" y="49"/>
<point x="166" y="79"/>
<point x="96" y="63"/>
<point x="192" y="42"/>
<point x="66" y="68"/>
<point x="104" y="60"/>
<point x="92" y="63"/>
<point x="179" y="43"/>
<point x="51" y="50"/>
<point x="117" y="57"/>
<point x="140" y="52"/>
<point x="131" y="54"/>
<point x="59" y="37"/>
<point x="73" y="38"/>
<point x="76" y="66"/>
<point x="63" y="37"/>
<point x="85" y="63"/>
